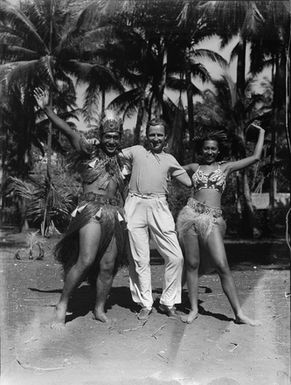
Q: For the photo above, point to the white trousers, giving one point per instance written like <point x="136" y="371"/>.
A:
<point x="152" y="216"/>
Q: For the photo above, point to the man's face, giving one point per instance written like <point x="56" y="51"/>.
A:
<point x="157" y="138"/>
<point x="110" y="142"/>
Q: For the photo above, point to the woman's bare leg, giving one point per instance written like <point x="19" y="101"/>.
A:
<point x="104" y="280"/>
<point x="89" y="238"/>
<point x="216" y="249"/>
<point x="192" y="259"/>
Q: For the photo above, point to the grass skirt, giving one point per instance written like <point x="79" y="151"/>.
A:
<point x="112" y="221"/>
<point x="200" y="219"/>
<point x="199" y="216"/>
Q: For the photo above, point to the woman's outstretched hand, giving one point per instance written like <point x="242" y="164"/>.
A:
<point x="253" y="130"/>
<point x="41" y="97"/>
<point x="256" y="123"/>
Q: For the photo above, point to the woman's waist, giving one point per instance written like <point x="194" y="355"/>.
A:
<point x="204" y="207"/>
<point x="210" y="197"/>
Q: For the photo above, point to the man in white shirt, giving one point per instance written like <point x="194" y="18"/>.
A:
<point x="147" y="213"/>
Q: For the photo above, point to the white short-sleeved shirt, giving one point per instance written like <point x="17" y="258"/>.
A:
<point x="151" y="171"/>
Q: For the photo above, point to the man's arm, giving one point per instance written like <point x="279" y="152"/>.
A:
<point x="74" y="137"/>
<point x="184" y="179"/>
<point x="191" y="168"/>
<point x="127" y="153"/>
<point x="179" y="173"/>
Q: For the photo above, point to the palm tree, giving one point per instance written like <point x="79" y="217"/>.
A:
<point x="224" y="109"/>
<point x="29" y="37"/>
<point x="266" y="26"/>
<point x="137" y="51"/>
<point x="53" y="200"/>
<point x="194" y="28"/>
<point x="243" y="20"/>
<point x="99" y="79"/>
<point x="270" y="50"/>
<point x="36" y="50"/>
<point x="149" y="55"/>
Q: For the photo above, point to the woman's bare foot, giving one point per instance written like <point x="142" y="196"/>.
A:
<point x="189" y="318"/>
<point x="243" y="319"/>
<point x="99" y="315"/>
<point x="60" y="317"/>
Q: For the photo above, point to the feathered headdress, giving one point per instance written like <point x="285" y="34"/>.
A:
<point x="111" y="122"/>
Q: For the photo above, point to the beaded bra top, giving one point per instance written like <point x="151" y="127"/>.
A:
<point x="215" y="180"/>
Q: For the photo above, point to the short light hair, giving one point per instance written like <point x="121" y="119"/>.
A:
<point x="157" y="122"/>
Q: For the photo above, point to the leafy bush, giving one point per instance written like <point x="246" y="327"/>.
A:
<point x="47" y="202"/>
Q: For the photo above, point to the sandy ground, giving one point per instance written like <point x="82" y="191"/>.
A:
<point x="211" y="351"/>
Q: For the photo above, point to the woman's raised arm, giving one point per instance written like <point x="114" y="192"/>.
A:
<point x="245" y="162"/>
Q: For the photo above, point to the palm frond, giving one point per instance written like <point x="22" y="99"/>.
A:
<point x="253" y="20"/>
<point x="95" y="73"/>
<point x="91" y="102"/>
<point x="235" y="51"/>
<point x="11" y="53"/>
<point x="209" y="55"/>
<point x="47" y="67"/>
<point x="16" y="19"/>
<point x="20" y="188"/>
<point x="226" y="89"/>
<point x="127" y="98"/>
<point x="199" y="70"/>
<point x="177" y="84"/>
<point x="19" y="74"/>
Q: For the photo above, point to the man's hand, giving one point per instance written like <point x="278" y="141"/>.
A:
<point x="41" y="97"/>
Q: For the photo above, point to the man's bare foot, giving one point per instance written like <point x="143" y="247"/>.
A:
<point x="59" y="317"/>
<point x="189" y="318"/>
<point x="243" y="319"/>
<point x="99" y="315"/>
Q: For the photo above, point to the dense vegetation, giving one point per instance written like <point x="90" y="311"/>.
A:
<point x="148" y="57"/>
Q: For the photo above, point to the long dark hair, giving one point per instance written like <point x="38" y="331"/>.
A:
<point x="219" y="136"/>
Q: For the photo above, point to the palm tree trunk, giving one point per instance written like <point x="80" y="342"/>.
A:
<point x="103" y="96"/>
<point x="190" y="110"/>
<point x="139" y="119"/>
<point x="49" y="141"/>
<point x="49" y="152"/>
<point x="288" y="111"/>
<point x="175" y="141"/>
<point x="288" y="93"/>
<point x="247" y="211"/>
<point x="241" y="69"/>
<point x="276" y="107"/>
<point x="3" y="159"/>
<point x="156" y="106"/>
<point x="273" y="178"/>
<point x="164" y="72"/>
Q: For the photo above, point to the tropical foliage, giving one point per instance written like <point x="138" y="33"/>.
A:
<point x="53" y="201"/>
<point x="145" y="58"/>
